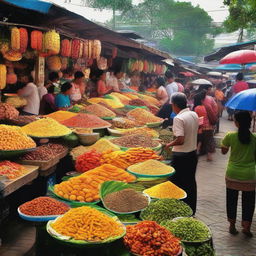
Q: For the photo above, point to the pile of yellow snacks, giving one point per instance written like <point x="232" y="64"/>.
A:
<point x="89" y="224"/>
<point x="85" y="187"/>
<point x="46" y="127"/>
<point x="61" y="115"/>
<point x="132" y="156"/>
<point x="13" y="138"/>
<point x="151" y="167"/>
<point x="165" y="190"/>
<point x="140" y="130"/>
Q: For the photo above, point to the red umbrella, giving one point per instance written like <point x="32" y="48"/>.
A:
<point x="239" y="57"/>
<point x="188" y="74"/>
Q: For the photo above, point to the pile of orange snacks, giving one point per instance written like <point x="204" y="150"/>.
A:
<point x="132" y="156"/>
<point x="88" y="224"/>
<point x="12" y="170"/>
<point x="43" y="206"/>
<point x="85" y="187"/>
<point x="147" y="238"/>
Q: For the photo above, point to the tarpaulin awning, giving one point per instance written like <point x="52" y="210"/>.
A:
<point x="34" y="5"/>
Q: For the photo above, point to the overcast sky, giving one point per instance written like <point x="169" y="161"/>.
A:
<point x="214" y="7"/>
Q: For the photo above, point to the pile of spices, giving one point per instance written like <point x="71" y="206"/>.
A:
<point x="135" y="140"/>
<point x="147" y="238"/>
<point x="139" y="102"/>
<point x="126" y="200"/>
<point x="125" y="159"/>
<point x="85" y="187"/>
<point x="23" y="120"/>
<point x="61" y="115"/>
<point x="151" y="167"/>
<point x="88" y="161"/>
<point x="165" y="190"/>
<point x="46" y="127"/>
<point x="85" y="121"/>
<point x="102" y="145"/>
<point x="57" y="148"/>
<point x="123" y="123"/>
<point x="43" y="206"/>
<point x="140" y="130"/>
<point x="13" y="138"/>
<point x="118" y="112"/>
<point x="99" y="110"/>
<point x="83" y="130"/>
<point x="12" y="170"/>
<point x="150" y="99"/>
<point x="143" y="116"/>
<point x="188" y="229"/>
<point x="166" y="209"/>
<point x="41" y="153"/>
<point x="7" y="111"/>
<point x="124" y="99"/>
<point x="86" y="223"/>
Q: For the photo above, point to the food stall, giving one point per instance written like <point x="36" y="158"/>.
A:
<point x="65" y="172"/>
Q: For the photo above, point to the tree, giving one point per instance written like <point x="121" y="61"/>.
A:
<point x="114" y="5"/>
<point x="177" y="27"/>
<point x="241" y="16"/>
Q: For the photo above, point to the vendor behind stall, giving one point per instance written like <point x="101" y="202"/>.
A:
<point x="28" y="90"/>
<point x="78" y="87"/>
<point x="47" y="105"/>
<point x="62" y="100"/>
<point x="102" y="87"/>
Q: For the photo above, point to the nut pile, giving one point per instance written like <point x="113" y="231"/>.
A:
<point x="134" y="141"/>
<point x="7" y="111"/>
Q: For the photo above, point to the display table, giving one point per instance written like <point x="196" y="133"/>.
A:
<point x="12" y="185"/>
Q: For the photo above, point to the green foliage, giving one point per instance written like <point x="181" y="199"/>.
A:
<point x="241" y="16"/>
<point x="111" y="4"/>
<point x="172" y="25"/>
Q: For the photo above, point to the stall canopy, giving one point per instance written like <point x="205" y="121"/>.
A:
<point x="48" y="15"/>
<point x="223" y="51"/>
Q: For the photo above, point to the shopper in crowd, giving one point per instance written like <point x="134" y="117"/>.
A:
<point x="53" y="79"/>
<point x="78" y="87"/>
<point x="47" y="104"/>
<point x="161" y="93"/>
<point x="240" y="84"/>
<point x="240" y="175"/>
<point x="185" y="128"/>
<point x="171" y="86"/>
<point x="113" y="81"/>
<point x="28" y="90"/>
<point x="62" y="100"/>
<point x="102" y="87"/>
<point x="180" y="86"/>
<point x="206" y="130"/>
<point x="68" y="76"/>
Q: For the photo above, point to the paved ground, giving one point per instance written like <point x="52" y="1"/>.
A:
<point x="211" y="209"/>
<point x="211" y="205"/>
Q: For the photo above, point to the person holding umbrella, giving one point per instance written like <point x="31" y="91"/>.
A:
<point x="240" y="174"/>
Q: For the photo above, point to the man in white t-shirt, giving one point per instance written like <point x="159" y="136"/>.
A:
<point x="112" y="82"/>
<point x="171" y="86"/>
<point x="185" y="128"/>
<point x="28" y="90"/>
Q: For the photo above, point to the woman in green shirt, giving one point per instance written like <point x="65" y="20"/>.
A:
<point x="240" y="175"/>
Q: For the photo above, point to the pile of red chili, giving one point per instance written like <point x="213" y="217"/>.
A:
<point x="147" y="238"/>
<point x="85" y="121"/>
<point x="87" y="161"/>
<point x="43" y="206"/>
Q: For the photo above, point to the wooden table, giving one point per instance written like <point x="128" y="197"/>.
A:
<point x="12" y="185"/>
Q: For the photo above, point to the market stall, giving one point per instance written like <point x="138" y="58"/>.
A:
<point x="91" y="176"/>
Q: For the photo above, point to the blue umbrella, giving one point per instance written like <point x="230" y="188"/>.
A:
<point x="245" y="100"/>
<point x="233" y="67"/>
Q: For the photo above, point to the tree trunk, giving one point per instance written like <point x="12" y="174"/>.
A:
<point x="114" y="15"/>
<point x="241" y="35"/>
